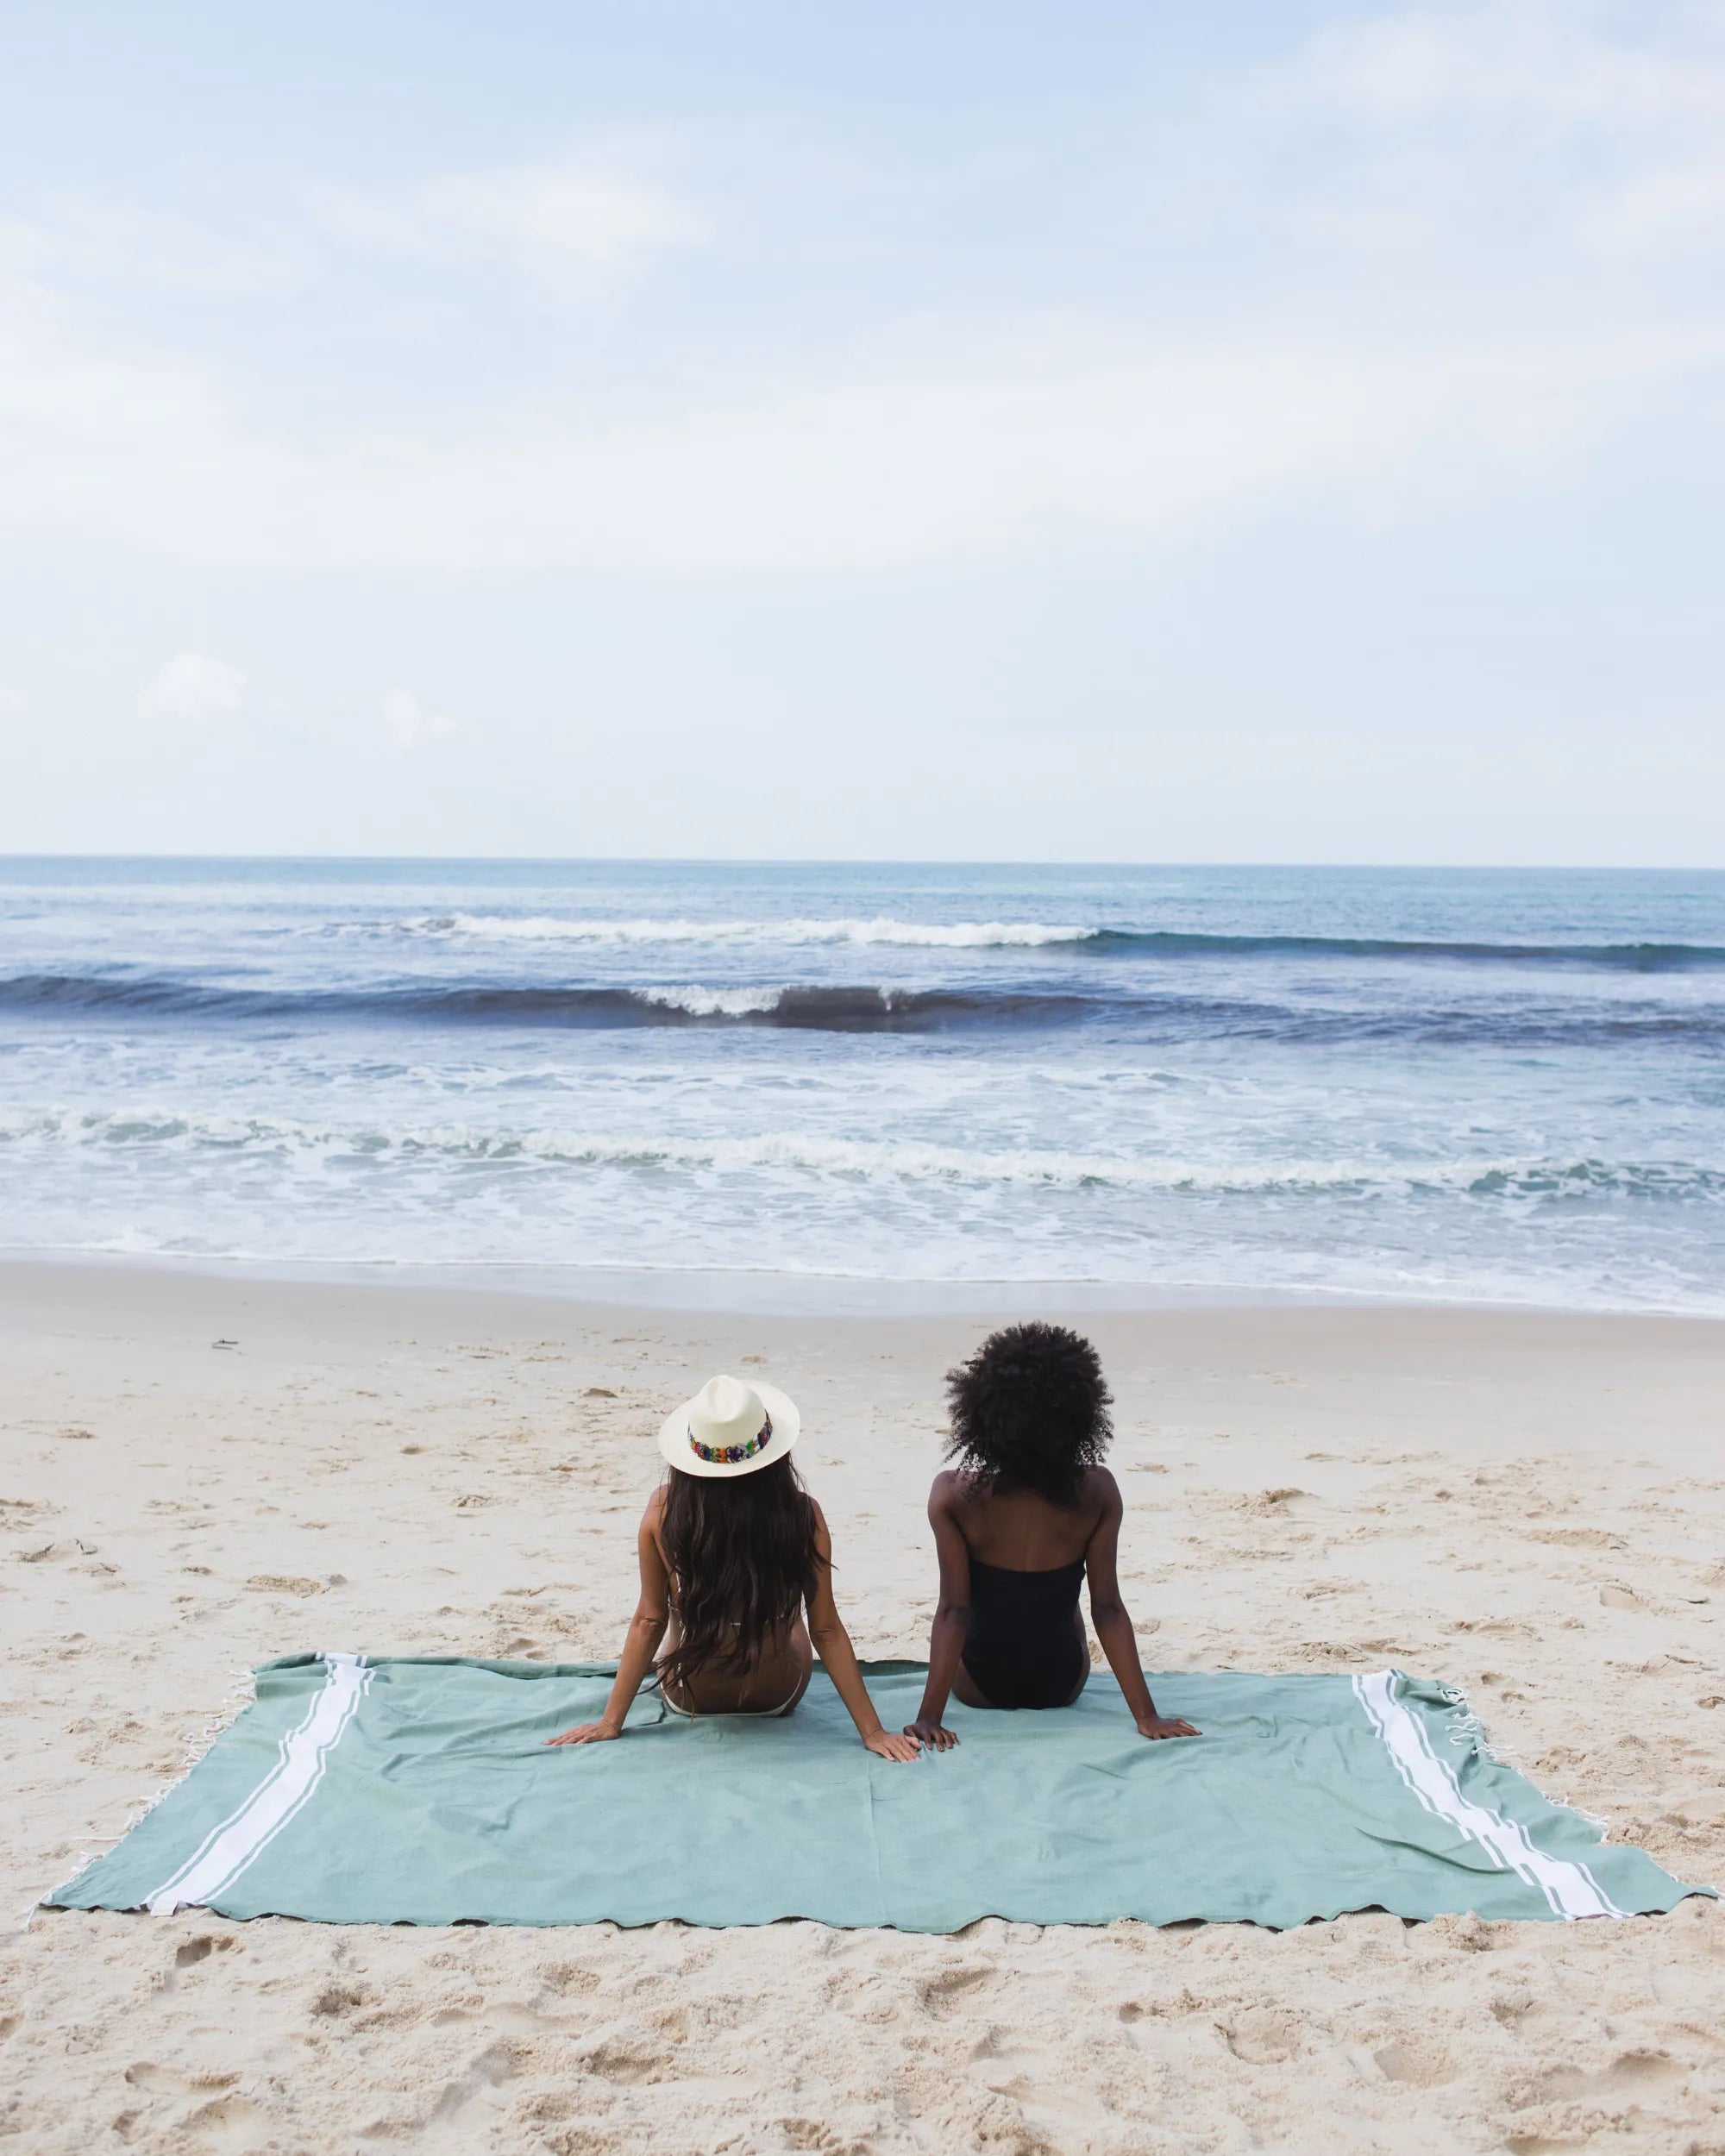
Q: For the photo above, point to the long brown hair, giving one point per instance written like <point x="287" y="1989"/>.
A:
<point x="741" y="1552"/>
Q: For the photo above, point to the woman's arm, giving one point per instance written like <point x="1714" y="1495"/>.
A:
<point x="1113" y="1626"/>
<point x="646" y="1630"/>
<point x="832" y="1644"/>
<point x="951" y="1617"/>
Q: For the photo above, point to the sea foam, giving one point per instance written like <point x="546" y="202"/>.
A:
<point x="540" y="928"/>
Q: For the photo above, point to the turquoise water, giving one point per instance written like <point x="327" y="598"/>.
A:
<point x="1500" y="1086"/>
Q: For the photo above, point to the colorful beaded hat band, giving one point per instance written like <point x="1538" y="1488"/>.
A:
<point x="731" y="1454"/>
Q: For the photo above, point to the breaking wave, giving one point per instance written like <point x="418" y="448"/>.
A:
<point x="1168" y="944"/>
<point x="832" y="1009"/>
<point x="796" y="1154"/>
<point x="1142" y="1014"/>
<point x="918" y="935"/>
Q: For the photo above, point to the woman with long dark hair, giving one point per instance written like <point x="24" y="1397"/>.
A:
<point x="734" y="1553"/>
<point x="1025" y="1517"/>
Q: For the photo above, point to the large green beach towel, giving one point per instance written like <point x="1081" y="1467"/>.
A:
<point x="421" y="1792"/>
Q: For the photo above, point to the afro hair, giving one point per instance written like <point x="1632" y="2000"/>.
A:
<point x="1030" y="1412"/>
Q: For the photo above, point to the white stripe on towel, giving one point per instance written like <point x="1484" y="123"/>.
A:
<point x="1570" y="1887"/>
<point x="247" y="1832"/>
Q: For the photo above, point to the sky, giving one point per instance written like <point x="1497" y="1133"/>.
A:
<point x="699" y="428"/>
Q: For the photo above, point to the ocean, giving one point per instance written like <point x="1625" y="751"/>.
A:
<point x="1502" y="1086"/>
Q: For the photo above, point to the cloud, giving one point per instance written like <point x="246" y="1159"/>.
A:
<point x="542" y="219"/>
<point x="192" y="687"/>
<point x="1023" y="440"/>
<point x="1556" y="68"/>
<point x="110" y="246"/>
<point x="1516" y="124"/>
<point x="408" y="723"/>
<point x="1677" y="205"/>
<point x="1405" y="300"/>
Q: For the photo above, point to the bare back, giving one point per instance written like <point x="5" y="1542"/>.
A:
<point x="1020" y="1532"/>
<point x="780" y="1673"/>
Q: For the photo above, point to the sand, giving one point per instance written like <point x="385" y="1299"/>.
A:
<point x="1529" y="1506"/>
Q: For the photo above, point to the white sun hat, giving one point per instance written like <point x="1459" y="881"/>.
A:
<point x="730" y="1428"/>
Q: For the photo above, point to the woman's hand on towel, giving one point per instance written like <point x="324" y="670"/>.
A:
<point x="885" y="1746"/>
<point x="588" y="1734"/>
<point x="936" y="1735"/>
<point x="1167" y="1726"/>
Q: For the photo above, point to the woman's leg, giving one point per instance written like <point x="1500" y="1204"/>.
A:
<point x="803" y="1681"/>
<point x="1083" y="1659"/>
<point x="967" y="1690"/>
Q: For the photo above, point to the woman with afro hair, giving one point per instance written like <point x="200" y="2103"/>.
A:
<point x="1024" y="1515"/>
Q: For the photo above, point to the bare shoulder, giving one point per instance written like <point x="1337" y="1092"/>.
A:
<point x="944" y="1491"/>
<point x="951" y="1495"/>
<point x="653" y="1517"/>
<point x="1101" y="1493"/>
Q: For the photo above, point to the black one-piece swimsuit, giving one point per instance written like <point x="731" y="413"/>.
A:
<point x="1023" y="1649"/>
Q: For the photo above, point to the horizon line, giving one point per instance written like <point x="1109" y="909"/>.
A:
<point x="870" y="860"/>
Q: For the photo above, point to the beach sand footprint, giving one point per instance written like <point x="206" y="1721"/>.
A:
<point x="1419" y="2061"/>
<point x="1263" y="2035"/>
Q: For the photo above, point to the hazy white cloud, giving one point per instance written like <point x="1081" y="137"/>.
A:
<point x="117" y="247"/>
<point x="1447" y="150"/>
<point x="1676" y="206"/>
<point x="980" y="433"/>
<point x="408" y="723"/>
<point x="542" y="219"/>
<point x="1043" y="436"/>
<point x="1516" y="63"/>
<point x="193" y="686"/>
